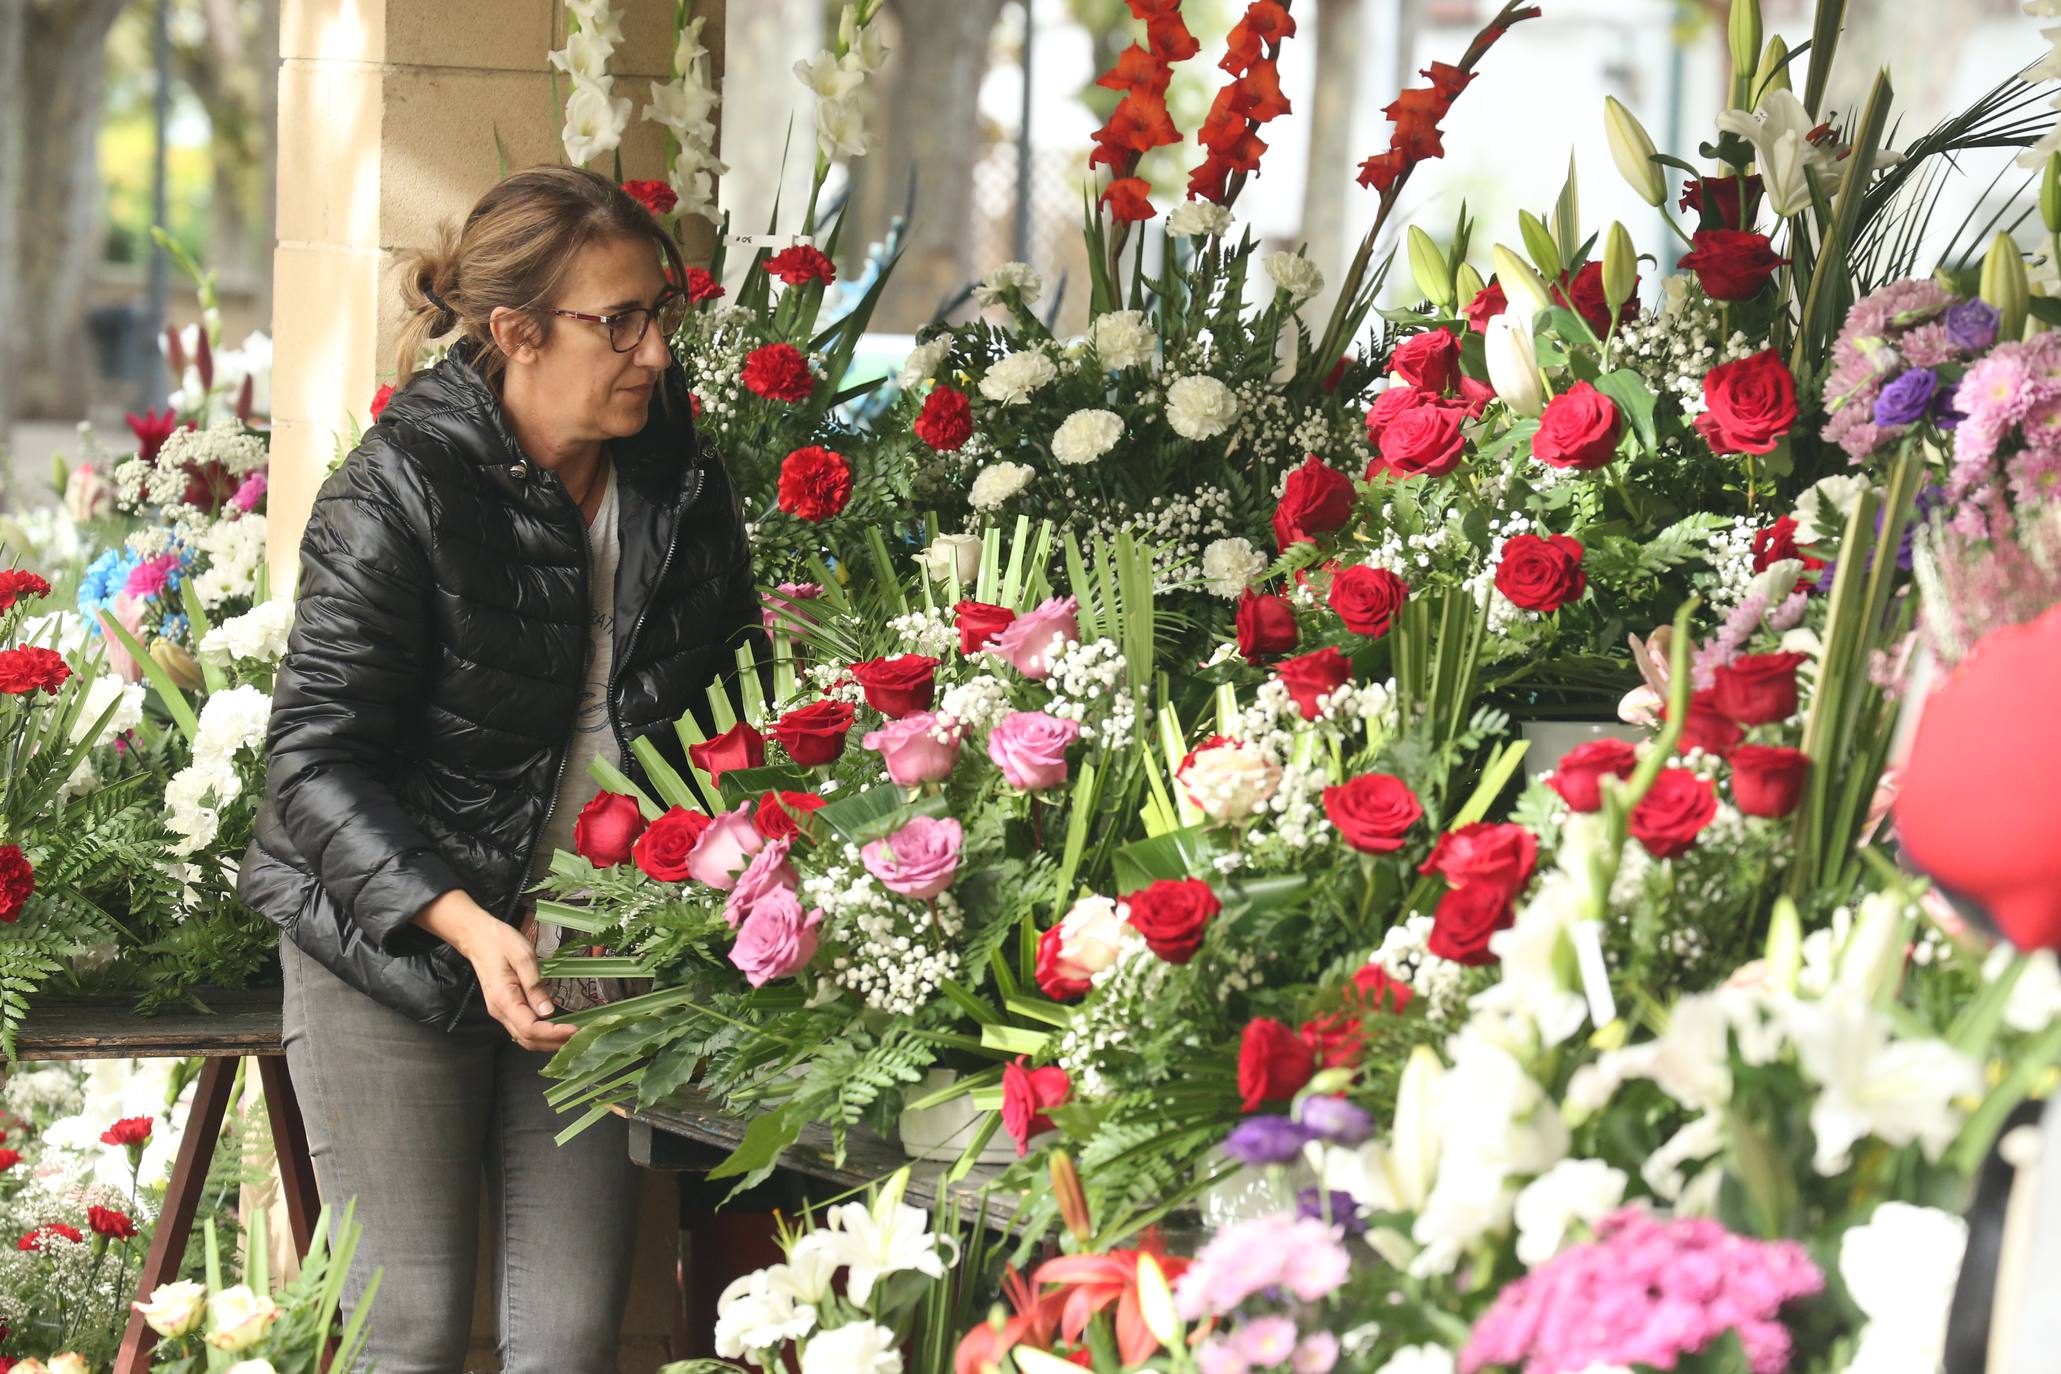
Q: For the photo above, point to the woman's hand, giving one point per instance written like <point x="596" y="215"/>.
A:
<point x="505" y="964"/>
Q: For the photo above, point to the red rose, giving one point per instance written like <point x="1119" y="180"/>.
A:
<point x="1053" y="980"/>
<point x="801" y="264"/>
<point x="1312" y="676"/>
<point x="740" y="746"/>
<point x="34" y="1240"/>
<point x="1585" y="297"/>
<point x="1757" y="689"/>
<point x="1541" y="574"/>
<point x="661" y="851"/>
<point x="607" y="827"/>
<point x="8" y="1159"/>
<point x="17" y="882"/>
<point x="1673" y="812"/>
<point x="1367" y="599"/>
<point x="814" y="483"/>
<point x="947" y="420"/>
<point x="30" y="668"/>
<point x="1429" y="361"/>
<point x="1766" y="780"/>
<point x="1748" y="404"/>
<point x="1372" y="812"/>
<point x="1336" y="1042"/>
<point x="106" y="1221"/>
<point x="1718" y="201"/>
<point x="15" y="583"/>
<point x="978" y="623"/>
<point x="1475" y="396"/>
<point x="1266" y="625"/>
<point x="1578" y="430"/>
<point x="814" y="734"/>
<point x="1273" y="1063"/>
<point x="130" y="1130"/>
<point x="1026" y="1094"/>
<point x="1374" y="988"/>
<point x="1777" y="542"/>
<point x="1173" y="914"/>
<point x="1579" y="777"/>
<point x="778" y="814"/>
<point x="779" y="372"/>
<point x="1317" y="500"/>
<point x="701" y="286"/>
<point x="1499" y="855"/>
<point x="1707" y="728"/>
<point x="1488" y="303"/>
<point x="898" y="686"/>
<point x="1466" y="917"/>
<point x="380" y="398"/>
<point x="655" y="196"/>
<point x="1421" y="442"/>
<point x="1390" y="406"/>
<point x="1731" y="264"/>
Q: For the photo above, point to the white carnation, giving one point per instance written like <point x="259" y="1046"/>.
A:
<point x="923" y="362"/>
<point x="102" y="692"/>
<point x="1015" y="377"/>
<point x="1086" y="435"/>
<point x="1123" y="338"/>
<point x="231" y="722"/>
<point x="1194" y="218"/>
<point x="1295" y="274"/>
<point x="1019" y="277"/>
<point x="1200" y="407"/>
<point x="1229" y="566"/>
<point x="998" y="482"/>
<point x="258" y="635"/>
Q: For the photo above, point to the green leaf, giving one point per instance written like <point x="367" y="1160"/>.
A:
<point x="765" y="1139"/>
<point x="1014" y="1039"/>
<point x="174" y="700"/>
<point x="1628" y="389"/>
<point x="1176" y="854"/>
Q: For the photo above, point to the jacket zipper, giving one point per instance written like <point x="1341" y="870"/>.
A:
<point x="665" y="564"/>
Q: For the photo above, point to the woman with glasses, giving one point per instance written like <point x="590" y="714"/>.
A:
<point x="528" y="564"/>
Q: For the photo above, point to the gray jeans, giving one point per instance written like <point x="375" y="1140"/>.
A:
<point x="410" y="1121"/>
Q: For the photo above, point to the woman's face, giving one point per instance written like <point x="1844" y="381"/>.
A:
<point x="587" y="390"/>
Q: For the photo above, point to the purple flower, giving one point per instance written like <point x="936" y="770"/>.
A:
<point x="1972" y="325"/>
<point x="1336" y="1120"/>
<point x="1344" y="1213"/>
<point x="1262" y="1140"/>
<point x="1906" y="399"/>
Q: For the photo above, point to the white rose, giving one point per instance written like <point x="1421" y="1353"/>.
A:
<point x="72" y="1362"/>
<point x="1090" y="935"/>
<point x="1086" y="435"/>
<point x="1200" y="407"/>
<point x="237" y="1318"/>
<point x="996" y="483"/>
<point x="1230" y="782"/>
<point x="860" y="1348"/>
<point x="1229" y="566"/>
<point x="923" y="362"/>
<point x="1295" y="274"/>
<point x="1015" y="377"/>
<point x="1017" y="277"/>
<point x="1194" y="218"/>
<point x="952" y="551"/>
<point x="1123" y="338"/>
<point x="240" y="1367"/>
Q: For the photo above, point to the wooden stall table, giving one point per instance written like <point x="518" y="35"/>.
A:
<point x="242" y="1025"/>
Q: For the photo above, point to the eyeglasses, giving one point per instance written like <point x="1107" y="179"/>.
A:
<point x="626" y="328"/>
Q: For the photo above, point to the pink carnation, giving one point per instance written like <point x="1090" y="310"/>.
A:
<point x="250" y="493"/>
<point x="149" y="577"/>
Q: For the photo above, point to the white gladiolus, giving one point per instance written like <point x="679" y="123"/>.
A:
<point x="863" y="48"/>
<point x="1086" y="435"/>
<point x="594" y="122"/>
<point x="996" y="483"/>
<point x="1295" y="274"/>
<point x="584" y="57"/>
<point x="1229" y="566"/>
<point x="1123" y="338"/>
<point x="1196" y="218"/>
<point x="1200" y="407"/>
<point x="826" y="78"/>
<point x="949" y="552"/>
<point x="688" y="51"/>
<point x="841" y="126"/>
<point x="1012" y="379"/>
<point x="1513" y="365"/>
<point x="685" y="106"/>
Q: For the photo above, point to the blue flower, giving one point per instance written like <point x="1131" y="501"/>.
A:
<point x="1336" y="1120"/>
<point x="1906" y="399"/>
<point x="1311" y="1204"/>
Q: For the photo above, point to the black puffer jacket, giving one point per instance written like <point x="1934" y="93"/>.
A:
<point x="421" y="716"/>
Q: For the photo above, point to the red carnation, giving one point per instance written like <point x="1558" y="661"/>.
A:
<point x="801" y="264"/>
<point x="814" y="735"/>
<point x="655" y="196"/>
<point x="1541" y="574"/>
<point x="778" y="815"/>
<point x="1027" y="1093"/>
<point x="130" y="1130"/>
<point x="16" y="583"/>
<point x="946" y="422"/>
<point x="1266" y="625"/>
<point x="1579" y="777"/>
<point x="1767" y="780"/>
<point x="740" y="746"/>
<point x="32" y="668"/>
<point x="1429" y="362"/>
<point x="814" y="483"/>
<point x="898" y="686"/>
<point x="979" y="622"/>
<point x="1317" y="499"/>
<point x="1311" y="677"/>
<point x="1673" y="812"/>
<point x="779" y="372"/>
<point x="1173" y="915"/>
<point x="35" y="1240"/>
<point x="661" y="851"/>
<point x="1372" y="812"/>
<point x="1731" y="264"/>
<point x="702" y="286"/>
<point x="17" y="882"/>
<point x="606" y="829"/>
<point x="1368" y="599"/>
<point x="1273" y="1063"/>
<point x="106" y="1221"/>
<point x="1749" y="404"/>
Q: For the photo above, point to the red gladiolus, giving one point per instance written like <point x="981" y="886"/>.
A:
<point x="1139" y="124"/>
<point x="1137" y="70"/>
<point x="1129" y="200"/>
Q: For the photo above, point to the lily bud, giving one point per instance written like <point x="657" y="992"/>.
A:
<point x="1156" y="1303"/>
<point x="2050" y="195"/>
<point x="1521" y="285"/>
<point x="1428" y="266"/>
<point x="1744" y="33"/>
<point x="1538" y="241"/>
<point x="1467" y="284"/>
<point x="1773" y="72"/>
<point x="1620" y="267"/>
<point x="1632" y="150"/>
<point x="1072" y="1200"/>
<point x="177" y="663"/>
<point x="2006" y="286"/>
<point x="1513" y="365"/>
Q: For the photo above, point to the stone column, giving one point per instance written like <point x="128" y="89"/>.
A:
<point x="389" y="111"/>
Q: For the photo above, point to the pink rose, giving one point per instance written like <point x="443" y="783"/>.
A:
<point x="919" y="859"/>
<point x="1027" y="643"/>
<point x="724" y="849"/>
<point x="768" y="871"/>
<point x="777" y="607"/>
<point x="776" y="940"/>
<point x="916" y="749"/>
<point x="1030" y="748"/>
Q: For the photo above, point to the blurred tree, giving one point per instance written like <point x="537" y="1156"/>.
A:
<point x="12" y="36"/>
<point x="229" y="59"/>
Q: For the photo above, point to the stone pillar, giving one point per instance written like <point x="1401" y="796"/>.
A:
<point x="389" y="111"/>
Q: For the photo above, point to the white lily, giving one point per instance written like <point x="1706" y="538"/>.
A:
<point x="871" y="1243"/>
<point x="1513" y="364"/>
<point x="1779" y="131"/>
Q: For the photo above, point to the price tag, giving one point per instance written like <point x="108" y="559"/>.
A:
<point x="771" y="240"/>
